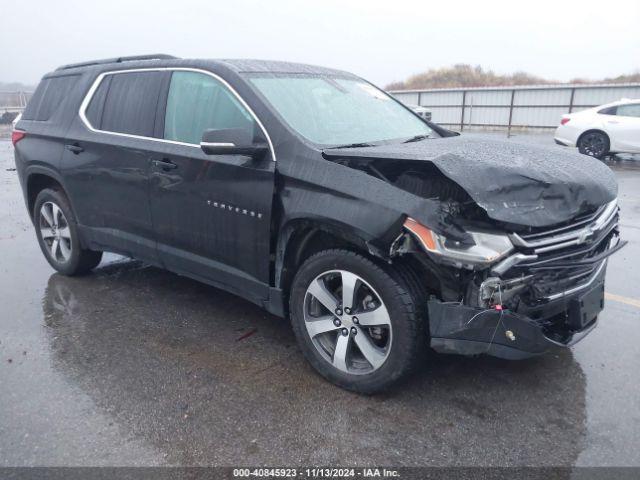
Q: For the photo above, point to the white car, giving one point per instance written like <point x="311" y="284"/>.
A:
<point x="421" y="111"/>
<point x="604" y="130"/>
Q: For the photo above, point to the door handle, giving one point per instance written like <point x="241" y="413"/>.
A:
<point x="75" y="148"/>
<point x="165" y="165"/>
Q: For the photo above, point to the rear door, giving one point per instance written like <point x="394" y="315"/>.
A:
<point x="106" y="162"/>
<point x="211" y="213"/>
<point x="624" y="128"/>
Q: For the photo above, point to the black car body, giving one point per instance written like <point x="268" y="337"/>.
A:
<point x="499" y="248"/>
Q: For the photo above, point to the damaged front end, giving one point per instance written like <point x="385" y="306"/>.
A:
<point x="513" y="295"/>
<point x="517" y="259"/>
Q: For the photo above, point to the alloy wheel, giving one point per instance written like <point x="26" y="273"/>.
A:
<point x="347" y="321"/>
<point x="593" y="144"/>
<point x="55" y="232"/>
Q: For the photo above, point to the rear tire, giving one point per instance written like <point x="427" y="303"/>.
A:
<point x="366" y="346"/>
<point x="57" y="233"/>
<point x="594" y="144"/>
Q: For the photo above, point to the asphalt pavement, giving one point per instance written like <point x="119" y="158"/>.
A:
<point x="133" y="365"/>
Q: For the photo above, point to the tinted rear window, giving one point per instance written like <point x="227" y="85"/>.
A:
<point x="48" y="97"/>
<point x="130" y="103"/>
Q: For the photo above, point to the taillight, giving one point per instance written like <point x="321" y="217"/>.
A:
<point x="564" y="121"/>
<point x="17" y="135"/>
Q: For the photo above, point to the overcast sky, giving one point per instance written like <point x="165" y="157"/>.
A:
<point x="380" y="40"/>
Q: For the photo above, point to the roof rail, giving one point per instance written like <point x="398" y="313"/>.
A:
<point x="157" y="56"/>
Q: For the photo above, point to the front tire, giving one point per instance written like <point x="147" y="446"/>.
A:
<point x="594" y="144"/>
<point x="57" y="233"/>
<point x="356" y="322"/>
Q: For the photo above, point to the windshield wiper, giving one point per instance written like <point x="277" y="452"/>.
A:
<point x="417" y="138"/>
<point x="352" y="145"/>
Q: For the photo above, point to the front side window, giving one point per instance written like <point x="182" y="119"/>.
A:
<point x="631" y="110"/>
<point x="332" y="111"/>
<point x="197" y="102"/>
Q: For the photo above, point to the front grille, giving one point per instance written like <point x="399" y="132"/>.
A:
<point x="561" y="258"/>
<point x="583" y="230"/>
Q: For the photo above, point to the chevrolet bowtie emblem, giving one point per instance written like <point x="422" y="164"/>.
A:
<point x="585" y="236"/>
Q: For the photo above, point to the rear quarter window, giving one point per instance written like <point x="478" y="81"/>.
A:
<point x="48" y="97"/>
<point x="608" y="110"/>
<point x="94" y="111"/>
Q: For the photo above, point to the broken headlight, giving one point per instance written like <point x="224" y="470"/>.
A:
<point x="487" y="248"/>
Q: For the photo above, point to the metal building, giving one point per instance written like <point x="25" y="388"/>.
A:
<point x="522" y="107"/>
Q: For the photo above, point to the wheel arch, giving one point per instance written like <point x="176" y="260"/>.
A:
<point x="594" y="130"/>
<point x="38" y="179"/>
<point x="301" y="238"/>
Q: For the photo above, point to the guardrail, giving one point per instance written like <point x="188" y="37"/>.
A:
<point x="14" y="101"/>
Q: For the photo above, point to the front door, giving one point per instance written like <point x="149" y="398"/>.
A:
<point x="211" y="213"/>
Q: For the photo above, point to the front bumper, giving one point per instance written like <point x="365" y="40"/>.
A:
<point x="530" y="331"/>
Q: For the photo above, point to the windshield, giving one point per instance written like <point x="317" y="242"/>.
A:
<point x="334" y="111"/>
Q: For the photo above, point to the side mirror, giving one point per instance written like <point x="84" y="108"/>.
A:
<point x="231" y="141"/>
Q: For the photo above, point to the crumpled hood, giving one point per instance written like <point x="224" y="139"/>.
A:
<point x="523" y="184"/>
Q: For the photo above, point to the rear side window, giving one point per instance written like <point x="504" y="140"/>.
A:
<point x="48" y="97"/>
<point x="126" y="103"/>
<point x="632" y="110"/>
<point x="197" y="102"/>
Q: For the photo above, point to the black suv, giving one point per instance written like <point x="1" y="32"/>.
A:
<point x="316" y="195"/>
